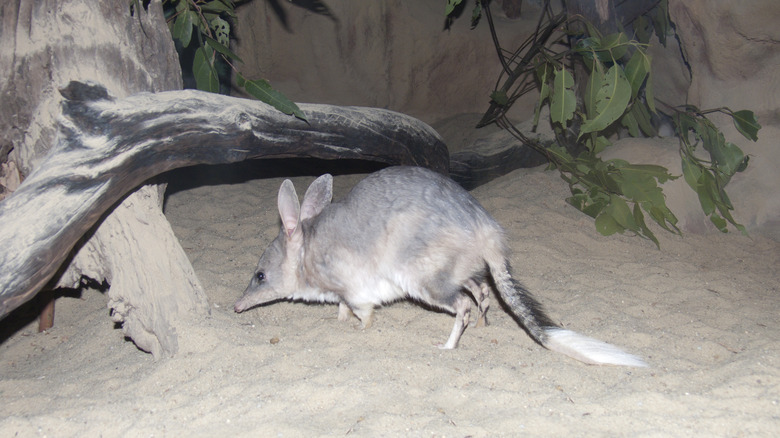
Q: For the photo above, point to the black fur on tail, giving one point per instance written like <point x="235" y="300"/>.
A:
<point x="523" y="307"/>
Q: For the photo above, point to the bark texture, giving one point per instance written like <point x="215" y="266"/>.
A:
<point x="46" y="44"/>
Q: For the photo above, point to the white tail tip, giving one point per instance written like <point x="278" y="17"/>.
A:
<point x="588" y="350"/>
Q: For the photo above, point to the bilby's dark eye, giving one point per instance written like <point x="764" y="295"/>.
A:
<point x="260" y="276"/>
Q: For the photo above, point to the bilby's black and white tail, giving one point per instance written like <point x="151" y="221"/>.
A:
<point x="530" y="314"/>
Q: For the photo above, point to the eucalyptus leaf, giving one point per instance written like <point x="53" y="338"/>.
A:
<point x="611" y="101"/>
<point x="219" y="47"/>
<point x="499" y="97"/>
<point x="450" y="6"/>
<point x="637" y="69"/>
<point x="649" y="94"/>
<point x="664" y="217"/>
<point x="607" y="225"/>
<point x="613" y="47"/>
<point x="747" y="124"/>
<point x="643" y="29"/>
<point x="563" y="101"/>
<point x="221" y="30"/>
<point x="217" y="6"/>
<point x="619" y="210"/>
<point x="639" y="187"/>
<point x="639" y="218"/>
<point x="642" y="116"/>
<point x="719" y="222"/>
<point x="544" y="90"/>
<point x="595" y="81"/>
<point x="704" y="191"/>
<point x="182" y="28"/>
<point x="262" y="91"/>
<point x="206" y="78"/>
<point x="629" y="121"/>
<point x="660" y="15"/>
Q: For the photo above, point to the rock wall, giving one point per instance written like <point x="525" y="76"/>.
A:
<point x="391" y="54"/>
<point x="733" y="50"/>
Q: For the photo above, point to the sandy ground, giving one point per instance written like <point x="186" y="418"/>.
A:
<point x="703" y="311"/>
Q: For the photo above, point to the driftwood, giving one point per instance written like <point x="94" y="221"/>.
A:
<point x="473" y="168"/>
<point x="106" y="147"/>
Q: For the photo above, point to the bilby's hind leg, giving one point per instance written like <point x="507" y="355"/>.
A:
<point x="344" y="312"/>
<point x="462" y="312"/>
<point x="365" y="314"/>
<point x="481" y="294"/>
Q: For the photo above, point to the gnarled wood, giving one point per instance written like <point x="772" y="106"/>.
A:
<point x="106" y="147"/>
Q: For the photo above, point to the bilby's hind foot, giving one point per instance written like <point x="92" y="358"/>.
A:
<point x="481" y="294"/>
<point x="345" y="312"/>
<point x="365" y="315"/>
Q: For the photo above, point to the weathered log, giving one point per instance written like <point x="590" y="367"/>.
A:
<point x="472" y="168"/>
<point x="106" y="147"/>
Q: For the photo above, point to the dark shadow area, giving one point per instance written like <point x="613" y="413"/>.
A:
<point x="29" y="311"/>
<point x="236" y="173"/>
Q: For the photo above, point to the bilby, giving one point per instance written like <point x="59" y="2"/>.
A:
<point x="403" y="232"/>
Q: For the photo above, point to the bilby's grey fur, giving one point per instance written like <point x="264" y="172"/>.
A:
<point x="403" y="232"/>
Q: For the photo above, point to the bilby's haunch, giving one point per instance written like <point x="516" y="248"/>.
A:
<point x="403" y="232"/>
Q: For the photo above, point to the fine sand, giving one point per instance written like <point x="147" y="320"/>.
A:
<point x="703" y="312"/>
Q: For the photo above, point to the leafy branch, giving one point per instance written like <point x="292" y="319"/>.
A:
<point x="206" y="23"/>
<point x="617" y="94"/>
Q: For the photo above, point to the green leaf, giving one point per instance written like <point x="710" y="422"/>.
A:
<point x="218" y="6"/>
<point x="637" y="69"/>
<point x="660" y="173"/>
<point x="685" y="123"/>
<point x="499" y="97"/>
<point x="733" y="158"/>
<point x="649" y="96"/>
<point x="747" y="124"/>
<point x="607" y="225"/>
<point x="642" y="116"/>
<point x="593" y="32"/>
<point x="618" y="209"/>
<point x="600" y="144"/>
<point x="704" y="189"/>
<point x="476" y="14"/>
<point x="450" y="6"/>
<point x="663" y="216"/>
<point x="597" y="143"/>
<point x="563" y="101"/>
<point x="643" y="29"/>
<point x="691" y="173"/>
<point x="216" y="45"/>
<point x="206" y="78"/>
<point x="726" y="155"/>
<point x="221" y="30"/>
<point x="182" y="28"/>
<point x="613" y="47"/>
<point x="544" y="89"/>
<point x="595" y="80"/>
<point x="629" y="121"/>
<point x="719" y="222"/>
<point x="639" y="218"/>
<point x="639" y="187"/>
<point x="660" y="15"/>
<point x="611" y="100"/>
<point x="262" y="91"/>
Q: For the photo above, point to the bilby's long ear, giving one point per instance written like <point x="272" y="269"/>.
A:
<point x="289" y="208"/>
<point x="318" y="195"/>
